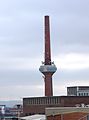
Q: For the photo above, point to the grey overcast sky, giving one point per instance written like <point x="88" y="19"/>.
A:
<point x="22" y="45"/>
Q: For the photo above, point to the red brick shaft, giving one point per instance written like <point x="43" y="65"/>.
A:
<point x="48" y="76"/>
<point x="48" y="85"/>
<point x="47" y="42"/>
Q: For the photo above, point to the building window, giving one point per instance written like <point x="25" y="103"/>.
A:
<point x="56" y="100"/>
<point x="41" y="101"/>
<point x="48" y="100"/>
<point x="53" y="101"/>
<point x="86" y="94"/>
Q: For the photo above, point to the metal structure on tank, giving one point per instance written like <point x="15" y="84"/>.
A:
<point x="48" y="67"/>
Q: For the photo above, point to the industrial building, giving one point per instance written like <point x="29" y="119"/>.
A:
<point x="77" y="96"/>
<point x="37" y="105"/>
<point x="78" y="91"/>
<point x="48" y="68"/>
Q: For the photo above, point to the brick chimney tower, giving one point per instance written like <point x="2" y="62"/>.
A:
<point x="48" y="68"/>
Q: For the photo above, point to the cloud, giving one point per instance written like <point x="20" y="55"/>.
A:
<point x="22" y="45"/>
<point x="18" y="92"/>
<point x="72" y="61"/>
<point x="20" y="77"/>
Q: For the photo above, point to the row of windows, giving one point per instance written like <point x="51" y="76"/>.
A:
<point x="42" y="101"/>
<point x="83" y="94"/>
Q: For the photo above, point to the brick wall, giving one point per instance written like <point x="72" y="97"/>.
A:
<point x="63" y="101"/>
<point x="35" y="109"/>
<point x="71" y="101"/>
<point x="69" y="116"/>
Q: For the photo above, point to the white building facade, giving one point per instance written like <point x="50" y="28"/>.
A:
<point x="78" y="91"/>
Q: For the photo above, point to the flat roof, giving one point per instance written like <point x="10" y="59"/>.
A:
<point x="65" y="96"/>
<point x="65" y="110"/>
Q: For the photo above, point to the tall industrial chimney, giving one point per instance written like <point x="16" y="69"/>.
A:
<point x="48" y="68"/>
